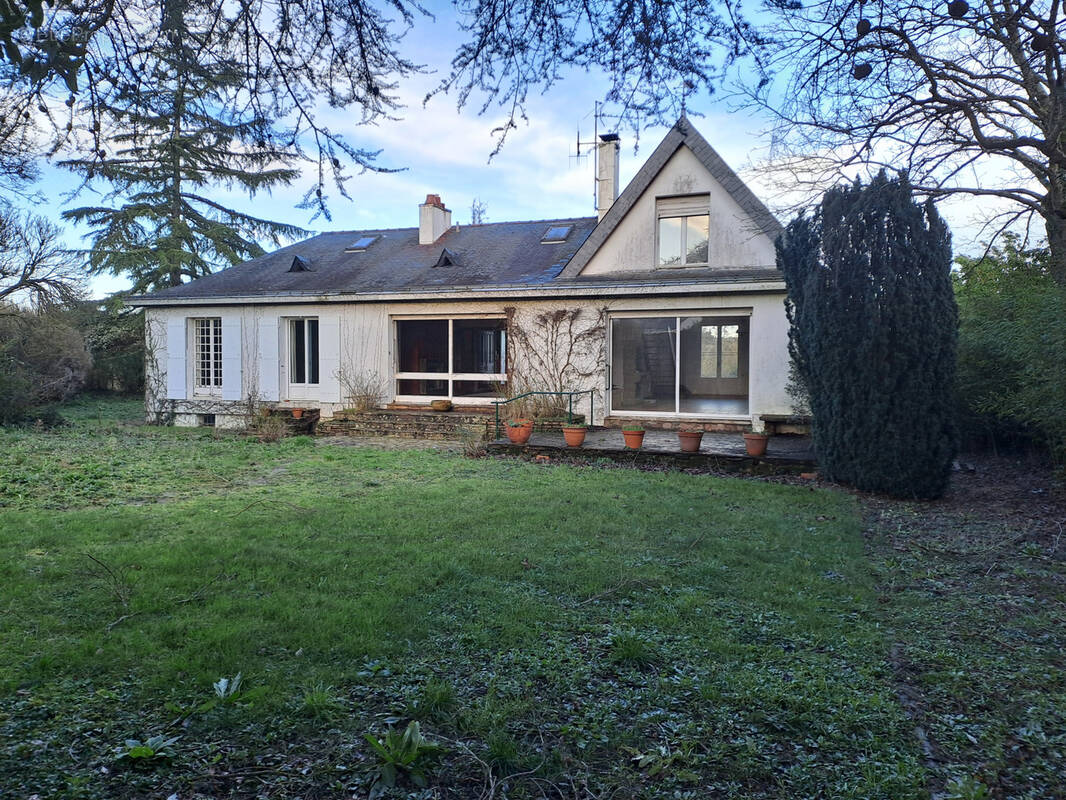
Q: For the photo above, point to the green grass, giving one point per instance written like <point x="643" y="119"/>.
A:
<point x="599" y="631"/>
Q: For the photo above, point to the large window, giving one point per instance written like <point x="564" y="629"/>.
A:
<point x="680" y="365"/>
<point x="207" y="345"/>
<point x="303" y="351"/>
<point x="450" y="357"/>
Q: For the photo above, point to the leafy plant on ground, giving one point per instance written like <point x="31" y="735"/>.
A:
<point x="408" y="753"/>
<point x="154" y="748"/>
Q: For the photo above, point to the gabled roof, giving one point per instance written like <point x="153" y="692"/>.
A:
<point x="501" y="253"/>
<point x="683" y="133"/>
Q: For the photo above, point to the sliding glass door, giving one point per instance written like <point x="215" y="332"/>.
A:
<point x="695" y="365"/>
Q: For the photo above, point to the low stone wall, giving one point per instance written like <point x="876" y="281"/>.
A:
<point x="413" y="424"/>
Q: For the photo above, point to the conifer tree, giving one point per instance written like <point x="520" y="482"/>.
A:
<point x="179" y="136"/>
<point x="873" y="332"/>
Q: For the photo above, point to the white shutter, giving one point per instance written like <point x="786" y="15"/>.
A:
<point x="177" y="371"/>
<point x="329" y="357"/>
<point x="231" y="357"/>
<point x="683" y="206"/>
<point x="268" y="347"/>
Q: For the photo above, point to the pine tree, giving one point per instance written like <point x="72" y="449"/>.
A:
<point x="873" y="332"/>
<point x="182" y="132"/>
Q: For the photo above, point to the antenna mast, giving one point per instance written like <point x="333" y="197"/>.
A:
<point x="593" y="146"/>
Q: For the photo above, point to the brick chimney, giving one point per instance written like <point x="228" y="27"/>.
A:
<point x="606" y="172"/>
<point x="434" y="219"/>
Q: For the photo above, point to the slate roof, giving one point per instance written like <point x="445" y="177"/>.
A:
<point x="501" y="253"/>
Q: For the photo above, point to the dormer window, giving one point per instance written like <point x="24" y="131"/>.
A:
<point x="683" y="230"/>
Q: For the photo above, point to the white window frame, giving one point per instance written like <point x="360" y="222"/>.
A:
<point x="677" y="315"/>
<point x="215" y="344"/>
<point x="682" y="207"/>
<point x="450" y="376"/>
<point x="305" y="390"/>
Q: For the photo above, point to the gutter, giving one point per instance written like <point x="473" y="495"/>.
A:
<point x="468" y="293"/>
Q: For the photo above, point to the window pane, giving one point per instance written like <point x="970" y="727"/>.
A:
<point x="297" y="370"/>
<point x="479" y="345"/>
<point x="312" y="351"/>
<point x="714" y="360"/>
<point x="435" y="388"/>
<point x="730" y="351"/>
<point x="696" y="235"/>
<point x="709" y="351"/>
<point x="490" y="390"/>
<point x="216" y="351"/>
<point x="422" y="346"/>
<point x="670" y="240"/>
<point x="643" y="364"/>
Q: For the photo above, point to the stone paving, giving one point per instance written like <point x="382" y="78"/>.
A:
<point x="713" y="444"/>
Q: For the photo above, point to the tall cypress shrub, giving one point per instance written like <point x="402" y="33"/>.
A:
<point x="873" y="333"/>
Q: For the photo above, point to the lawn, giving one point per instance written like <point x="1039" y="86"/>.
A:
<point x="557" y="631"/>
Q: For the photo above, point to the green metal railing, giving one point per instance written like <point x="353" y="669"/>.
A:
<point x="569" y="409"/>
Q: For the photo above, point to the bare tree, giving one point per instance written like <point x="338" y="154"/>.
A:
<point x="966" y="100"/>
<point x="34" y="267"/>
<point x="478" y="212"/>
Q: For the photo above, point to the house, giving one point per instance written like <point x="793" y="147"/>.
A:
<point x="667" y="305"/>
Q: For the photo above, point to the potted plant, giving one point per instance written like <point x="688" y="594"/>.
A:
<point x="519" y="430"/>
<point x="755" y="443"/>
<point x="690" y="440"/>
<point x="574" y="434"/>
<point x="297" y="413"/>
<point x="634" y="436"/>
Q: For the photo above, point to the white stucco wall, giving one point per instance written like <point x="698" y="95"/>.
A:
<point x="365" y="343"/>
<point x="735" y="240"/>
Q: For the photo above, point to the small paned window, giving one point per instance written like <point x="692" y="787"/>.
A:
<point x="719" y="351"/>
<point x="207" y="339"/>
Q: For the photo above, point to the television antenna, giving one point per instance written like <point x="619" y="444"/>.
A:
<point x="591" y="146"/>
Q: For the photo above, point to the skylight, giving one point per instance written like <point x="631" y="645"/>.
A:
<point x="360" y="244"/>
<point x="556" y="234"/>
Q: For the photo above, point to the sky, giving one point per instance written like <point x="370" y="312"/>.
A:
<point x="439" y="149"/>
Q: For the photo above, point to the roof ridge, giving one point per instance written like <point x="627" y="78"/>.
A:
<point x="354" y="231"/>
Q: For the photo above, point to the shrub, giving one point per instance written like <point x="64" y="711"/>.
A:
<point x="1012" y="345"/>
<point x="42" y="360"/>
<point x="873" y="335"/>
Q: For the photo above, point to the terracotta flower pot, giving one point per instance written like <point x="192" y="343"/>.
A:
<point x="690" y="441"/>
<point x="755" y="444"/>
<point x="441" y="405"/>
<point x="634" y="439"/>
<point x="297" y="413"/>
<point x="574" y="435"/>
<point x="519" y="433"/>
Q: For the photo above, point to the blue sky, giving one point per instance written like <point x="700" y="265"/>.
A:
<point x="442" y="150"/>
